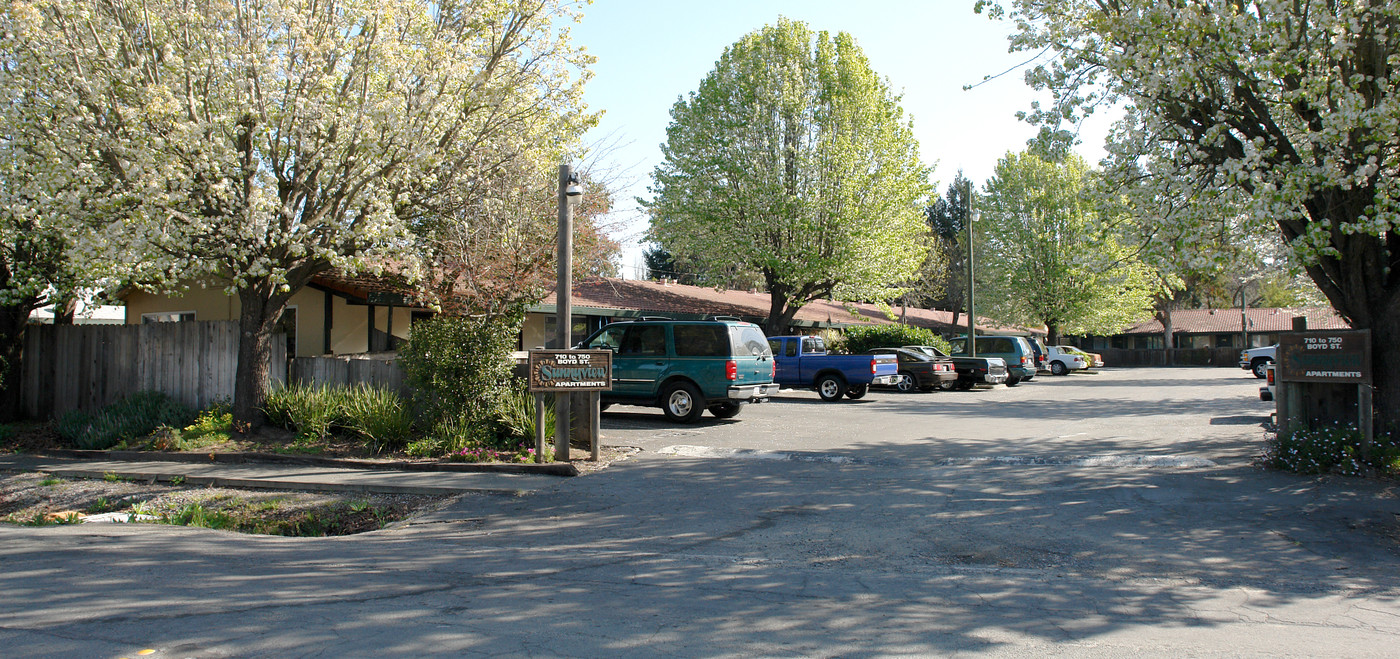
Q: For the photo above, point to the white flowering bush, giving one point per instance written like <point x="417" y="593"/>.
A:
<point x="1332" y="449"/>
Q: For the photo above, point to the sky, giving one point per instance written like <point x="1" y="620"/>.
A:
<point x="651" y="52"/>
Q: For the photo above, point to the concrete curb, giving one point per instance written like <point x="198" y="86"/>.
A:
<point x="544" y="469"/>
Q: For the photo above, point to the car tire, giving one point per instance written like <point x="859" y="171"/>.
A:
<point x="950" y="385"/>
<point x="726" y="410"/>
<point x="1260" y="368"/>
<point x="682" y="402"/>
<point x="857" y="392"/>
<point x="906" y="383"/>
<point x="830" y="388"/>
<point x="1058" y="368"/>
<point x="1013" y="381"/>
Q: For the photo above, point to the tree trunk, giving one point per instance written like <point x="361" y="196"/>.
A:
<point x="63" y="311"/>
<point x="13" y="321"/>
<point x="262" y="307"/>
<point x="1164" y="316"/>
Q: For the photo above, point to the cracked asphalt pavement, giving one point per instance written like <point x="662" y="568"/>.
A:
<point x="1099" y="515"/>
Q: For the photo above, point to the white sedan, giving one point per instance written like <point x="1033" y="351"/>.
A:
<point x="1064" y="359"/>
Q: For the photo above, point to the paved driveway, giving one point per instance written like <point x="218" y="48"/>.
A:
<point x="1091" y="515"/>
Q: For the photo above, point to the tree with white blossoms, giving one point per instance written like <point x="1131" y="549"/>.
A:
<point x="1057" y="260"/>
<point x="261" y="142"/>
<point x="794" y="160"/>
<point x="1293" y="102"/>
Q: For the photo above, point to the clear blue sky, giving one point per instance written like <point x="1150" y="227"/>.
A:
<point x="650" y="52"/>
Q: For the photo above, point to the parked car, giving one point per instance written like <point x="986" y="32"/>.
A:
<point x="1266" y="392"/>
<point x="1257" y="360"/>
<point x="687" y="366"/>
<point x="803" y="362"/>
<point x="971" y="371"/>
<point x="920" y="370"/>
<point x="1091" y="359"/>
<point x="1064" y="359"/>
<point x="1016" y="350"/>
<point x="1042" y="354"/>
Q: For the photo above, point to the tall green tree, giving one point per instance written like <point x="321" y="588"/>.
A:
<point x="1294" y="103"/>
<point x="794" y="160"/>
<point x="1050" y="256"/>
<point x="258" y="143"/>
<point x="947" y="260"/>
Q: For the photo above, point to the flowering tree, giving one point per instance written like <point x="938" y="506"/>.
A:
<point x="260" y="142"/>
<point x="1057" y="261"/>
<point x="793" y="160"/>
<point x="1292" y="102"/>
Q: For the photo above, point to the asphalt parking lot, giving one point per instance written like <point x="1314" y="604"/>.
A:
<point x="1213" y="414"/>
<point x="1105" y="515"/>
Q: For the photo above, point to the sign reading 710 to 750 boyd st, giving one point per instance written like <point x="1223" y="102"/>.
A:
<point x="1340" y="356"/>
<point x="570" y="370"/>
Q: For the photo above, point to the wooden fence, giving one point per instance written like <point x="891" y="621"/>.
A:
<point x="68" y="367"/>
<point x="1173" y="357"/>
<point x="378" y="370"/>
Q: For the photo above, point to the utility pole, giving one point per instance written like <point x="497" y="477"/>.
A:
<point x="971" y="309"/>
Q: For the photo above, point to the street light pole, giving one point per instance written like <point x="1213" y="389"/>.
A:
<point x="971" y="309"/>
<point x="563" y="300"/>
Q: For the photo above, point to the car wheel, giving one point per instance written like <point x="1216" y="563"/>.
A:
<point x="682" y="402"/>
<point x="1260" y="368"/>
<point x="725" y="410"/>
<point x="1013" y="381"/>
<point x="906" y="382"/>
<point x="830" y="388"/>
<point x="950" y="385"/>
<point x="1058" y="368"/>
<point x="857" y="392"/>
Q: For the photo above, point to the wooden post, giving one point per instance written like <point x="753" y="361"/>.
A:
<point x="539" y="427"/>
<point x="594" y="428"/>
<point x="1363" y="420"/>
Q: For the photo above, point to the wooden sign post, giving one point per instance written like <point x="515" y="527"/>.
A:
<point x="568" y="371"/>
<point x="1310" y="364"/>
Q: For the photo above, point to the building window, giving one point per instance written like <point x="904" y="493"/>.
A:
<point x="167" y="317"/>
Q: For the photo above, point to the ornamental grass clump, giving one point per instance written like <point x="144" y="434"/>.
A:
<point x="1333" y="450"/>
<point x="135" y="416"/>
<point x="307" y="409"/>
<point x="381" y="418"/>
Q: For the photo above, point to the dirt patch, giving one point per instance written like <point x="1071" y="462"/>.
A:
<point x="42" y="499"/>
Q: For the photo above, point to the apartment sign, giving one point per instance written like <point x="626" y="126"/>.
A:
<point x="1337" y="356"/>
<point x="570" y="370"/>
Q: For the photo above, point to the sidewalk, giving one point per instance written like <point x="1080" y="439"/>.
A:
<point x="317" y="477"/>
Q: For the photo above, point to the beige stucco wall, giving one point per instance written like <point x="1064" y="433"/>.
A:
<point x="349" y="323"/>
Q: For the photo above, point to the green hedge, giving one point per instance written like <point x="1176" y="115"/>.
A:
<point x="864" y="338"/>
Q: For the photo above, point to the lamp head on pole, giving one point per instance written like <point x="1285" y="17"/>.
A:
<point x="573" y="189"/>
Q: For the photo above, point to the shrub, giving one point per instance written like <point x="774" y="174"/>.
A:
<point x="380" y="417"/>
<point x="460" y="369"/>
<point x="1332" y="449"/>
<point x="137" y="415"/>
<point x="518" y="415"/>
<point x="863" y="338"/>
<point x="307" y="409"/>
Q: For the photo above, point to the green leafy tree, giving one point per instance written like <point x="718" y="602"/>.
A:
<point x="793" y="160"/>
<point x="259" y="143"/>
<point x="1291" y="102"/>
<point x="1049" y="257"/>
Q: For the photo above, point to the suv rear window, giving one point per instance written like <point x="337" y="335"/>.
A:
<point x="701" y="340"/>
<point x="749" y="340"/>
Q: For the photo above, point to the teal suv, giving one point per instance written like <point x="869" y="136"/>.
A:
<point x="687" y="366"/>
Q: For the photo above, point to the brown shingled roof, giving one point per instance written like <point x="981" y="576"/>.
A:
<point x="658" y="297"/>
<point x="1205" y="321"/>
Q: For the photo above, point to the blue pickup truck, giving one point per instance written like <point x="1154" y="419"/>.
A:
<point x="804" y="363"/>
